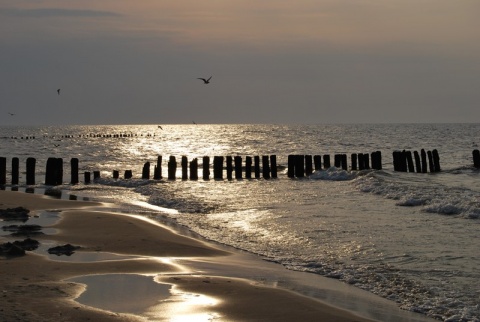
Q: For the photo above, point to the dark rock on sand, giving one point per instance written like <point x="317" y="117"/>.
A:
<point x="18" y="213"/>
<point x="24" y="230"/>
<point x="9" y="249"/>
<point x="63" y="250"/>
<point x="27" y="244"/>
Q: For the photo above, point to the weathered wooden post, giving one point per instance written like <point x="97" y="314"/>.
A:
<point x="376" y="160"/>
<point x="96" y="175"/>
<point x="157" y="175"/>
<point x="343" y="157"/>
<point x="353" y="160"/>
<point x="116" y="174"/>
<point x="15" y="170"/>
<point x="430" y="161"/>
<point x="308" y="165"/>
<point x="411" y="168"/>
<point x="299" y="166"/>
<point x="238" y="167"/>
<point x="3" y="170"/>
<point x="326" y="161"/>
<point x="184" y="168"/>
<point x="50" y="175"/>
<point x="128" y="174"/>
<point x="146" y="171"/>
<point x="265" y="167"/>
<point x="86" y="177"/>
<point x="218" y="167"/>
<point x="172" y="168"/>
<point x="194" y="169"/>
<point x="337" y="160"/>
<point x="248" y="167"/>
<point x="31" y="162"/>
<point x="418" y="164"/>
<point x="361" y="161"/>
<point x="436" y="160"/>
<point x="317" y="160"/>
<point x="423" y="156"/>
<point x="74" y="170"/>
<point x="256" y="161"/>
<point x="273" y="165"/>
<point x="229" y="167"/>
<point x="476" y="158"/>
<point x="291" y="166"/>
<point x="206" y="168"/>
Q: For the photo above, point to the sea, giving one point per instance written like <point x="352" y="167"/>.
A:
<point x="411" y="238"/>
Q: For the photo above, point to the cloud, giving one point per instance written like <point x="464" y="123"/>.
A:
<point x="55" y="12"/>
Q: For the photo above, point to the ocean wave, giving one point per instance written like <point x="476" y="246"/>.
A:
<point x="333" y="174"/>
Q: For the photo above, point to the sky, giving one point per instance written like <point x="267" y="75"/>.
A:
<point x="271" y="61"/>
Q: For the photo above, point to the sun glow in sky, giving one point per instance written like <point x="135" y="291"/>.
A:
<point x="277" y="61"/>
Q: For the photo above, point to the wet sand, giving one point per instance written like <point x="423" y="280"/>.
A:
<point x="36" y="288"/>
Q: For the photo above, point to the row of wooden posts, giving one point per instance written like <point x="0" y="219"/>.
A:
<point x="90" y="135"/>
<point x="234" y="167"/>
<point x="403" y="161"/>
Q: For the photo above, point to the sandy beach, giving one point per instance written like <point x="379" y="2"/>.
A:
<point x="36" y="288"/>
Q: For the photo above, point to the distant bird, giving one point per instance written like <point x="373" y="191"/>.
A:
<point x="11" y="114"/>
<point x="206" y="81"/>
<point x="58" y="91"/>
<point x="194" y="122"/>
<point x="161" y="128"/>
<point x="56" y="145"/>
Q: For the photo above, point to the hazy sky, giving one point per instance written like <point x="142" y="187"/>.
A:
<point x="282" y="61"/>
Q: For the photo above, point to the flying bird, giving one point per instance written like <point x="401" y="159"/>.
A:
<point x="161" y="128"/>
<point x="58" y="91"/>
<point x="11" y="114"/>
<point x="206" y="81"/>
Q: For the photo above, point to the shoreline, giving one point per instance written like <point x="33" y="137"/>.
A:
<point x="37" y="288"/>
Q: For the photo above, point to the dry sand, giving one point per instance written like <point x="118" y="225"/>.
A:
<point x="35" y="288"/>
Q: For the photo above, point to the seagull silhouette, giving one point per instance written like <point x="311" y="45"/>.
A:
<point x="161" y="128"/>
<point x="206" y="81"/>
<point x="11" y="114"/>
<point x="58" y="91"/>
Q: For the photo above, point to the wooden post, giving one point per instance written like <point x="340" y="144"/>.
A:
<point x="423" y="155"/>
<point x="194" y="169"/>
<point x="326" y="161"/>
<point x="430" y="161"/>
<point x="96" y="175"/>
<point x="291" y="166"/>
<point x="218" y="167"/>
<point x="238" y="167"/>
<point x="265" y="167"/>
<point x="50" y="178"/>
<point x="343" y="157"/>
<point x="74" y="170"/>
<point x="128" y="174"/>
<point x="206" y="167"/>
<point x="3" y="170"/>
<point x="58" y="171"/>
<point x="86" y="177"/>
<point x="376" y="160"/>
<point x="361" y="161"/>
<point x="317" y="160"/>
<point x="157" y="174"/>
<point x="353" y="160"/>
<point x="436" y="160"/>
<point x="256" y="160"/>
<point x="418" y="164"/>
<point x="248" y="167"/>
<point x="337" y="160"/>
<point x="308" y="165"/>
<point x="184" y="168"/>
<point x="273" y="165"/>
<point x="116" y="174"/>
<point x="172" y="168"/>
<point x="411" y="168"/>
<point x="299" y="166"/>
<point x="15" y="170"/>
<point x="229" y="167"/>
<point x="146" y="171"/>
<point x="31" y="162"/>
<point x="476" y="158"/>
